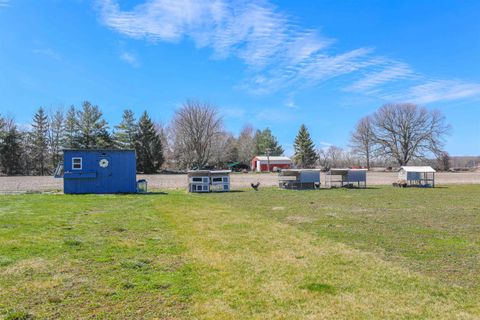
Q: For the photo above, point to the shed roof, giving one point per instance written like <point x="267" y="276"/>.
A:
<point x="426" y="169"/>
<point x="220" y="171"/>
<point x="273" y="158"/>
<point x="98" y="150"/>
<point x="342" y="171"/>
<point x="200" y="172"/>
<point x="300" y="170"/>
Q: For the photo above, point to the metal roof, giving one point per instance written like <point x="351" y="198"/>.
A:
<point x="300" y="170"/>
<point x="96" y="150"/>
<point x="209" y="171"/>
<point x="341" y="171"/>
<point x="220" y="171"/>
<point x="426" y="169"/>
<point x="273" y="158"/>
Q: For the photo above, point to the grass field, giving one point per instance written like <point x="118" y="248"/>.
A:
<point x="273" y="254"/>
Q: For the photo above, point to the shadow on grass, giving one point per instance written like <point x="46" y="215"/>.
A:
<point x="152" y="193"/>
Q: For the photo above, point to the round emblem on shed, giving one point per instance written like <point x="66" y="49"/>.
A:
<point x="103" y="163"/>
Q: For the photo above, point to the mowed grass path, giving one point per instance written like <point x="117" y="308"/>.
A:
<point x="274" y="254"/>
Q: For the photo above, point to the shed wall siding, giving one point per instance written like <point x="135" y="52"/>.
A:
<point x="118" y="177"/>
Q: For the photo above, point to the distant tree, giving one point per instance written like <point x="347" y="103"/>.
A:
<point x="305" y="155"/>
<point x="246" y="144"/>
<point x="11" y="149"/>
<point x="166" y="137"/>
<point x="125" y="131"/>
<point x="27" y="163"/>
<point x="72" y="132"/>
<point x="405" y="132"/>
<point x="194" y="127"/>
<point x="3" y="134"/>
<point x="266" y="141"/>
<point x="93" y="129"/>
<point x="362" y="140"/>
<point x="333" y="157"/>
<point x="39" y="141"/>
<point x="148" y="146"/>
<point x="443" y="161"/>
<point x="56" y="136"/>
<point x="224" y="150"/>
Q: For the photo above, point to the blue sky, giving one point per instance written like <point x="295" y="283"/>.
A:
<point x="268" y="63"/>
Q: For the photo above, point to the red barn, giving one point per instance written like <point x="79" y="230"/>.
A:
<point x="260" y="163"/>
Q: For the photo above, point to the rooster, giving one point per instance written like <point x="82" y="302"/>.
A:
<point x="255" y="186"/>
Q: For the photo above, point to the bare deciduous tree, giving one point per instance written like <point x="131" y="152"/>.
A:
<point x="443" y="161"/>
<point x="333" y="157"/>
<point x="224" y="149"/>
<point x="246" y="144"/>
<point x="362" y="139"/>
<point x="195" y="126"/>
<point x="405" y="132"/>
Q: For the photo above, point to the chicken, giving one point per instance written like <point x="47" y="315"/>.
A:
<point x="255" y="186"/>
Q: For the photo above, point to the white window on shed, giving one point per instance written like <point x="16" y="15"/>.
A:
<point x="77" y="163"/>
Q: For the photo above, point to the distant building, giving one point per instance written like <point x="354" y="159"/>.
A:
<point x="277" y="163"/>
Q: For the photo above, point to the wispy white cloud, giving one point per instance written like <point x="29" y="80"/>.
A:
<point x="48" y="52"/>
<point x="130" y="58"/>
<point x="233" y="112"/>
<point x="431" y="91"/>
<point x="4" y="3"/>
<point x="326" y="144"/>
<point x="279" y="53"/>
<point x="388" y="71"/>
<point x="290" y="102"/>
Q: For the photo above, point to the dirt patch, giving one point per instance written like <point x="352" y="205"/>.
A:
<point x="299" y="219"/>
<point x="23" y="184"/>
<point x="27" y="265"/>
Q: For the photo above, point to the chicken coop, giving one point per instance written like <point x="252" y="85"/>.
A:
<point x="209" y="181"/>
<point x="98" y="171"/>
<point x="420" y="176"/>
<point x="299" y="179"/>
<point x="346" y="178"/>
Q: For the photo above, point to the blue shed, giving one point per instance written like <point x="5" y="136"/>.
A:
<point x="99" y="171"/>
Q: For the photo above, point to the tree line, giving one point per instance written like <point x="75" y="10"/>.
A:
<point x="396" y="134"/>
<point x="195" y="138"/>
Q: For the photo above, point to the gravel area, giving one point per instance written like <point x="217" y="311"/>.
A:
<point x="239" y="180"/>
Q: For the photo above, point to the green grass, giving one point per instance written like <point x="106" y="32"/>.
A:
<point x="356" y="254"/>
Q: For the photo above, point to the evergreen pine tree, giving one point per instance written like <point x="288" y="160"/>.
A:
<point x="71" y="129"/>
<point x="148" y="146"/>
<point x="266" y="140"/>
<point x="39" y="142"/>
<point x="11" y="150"/>
<point x="3" y="133"/>
<point x="124" y="135"/>
<point x="93" y="129"/>
<point x="56" y="138"/>
<point x="305" y="155"/>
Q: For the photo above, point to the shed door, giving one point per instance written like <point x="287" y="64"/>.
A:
<point x="105" y="181"/>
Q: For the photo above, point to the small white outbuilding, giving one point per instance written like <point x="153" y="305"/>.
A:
<point x="422" y="176"/>
<point x="209" y="180"/>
